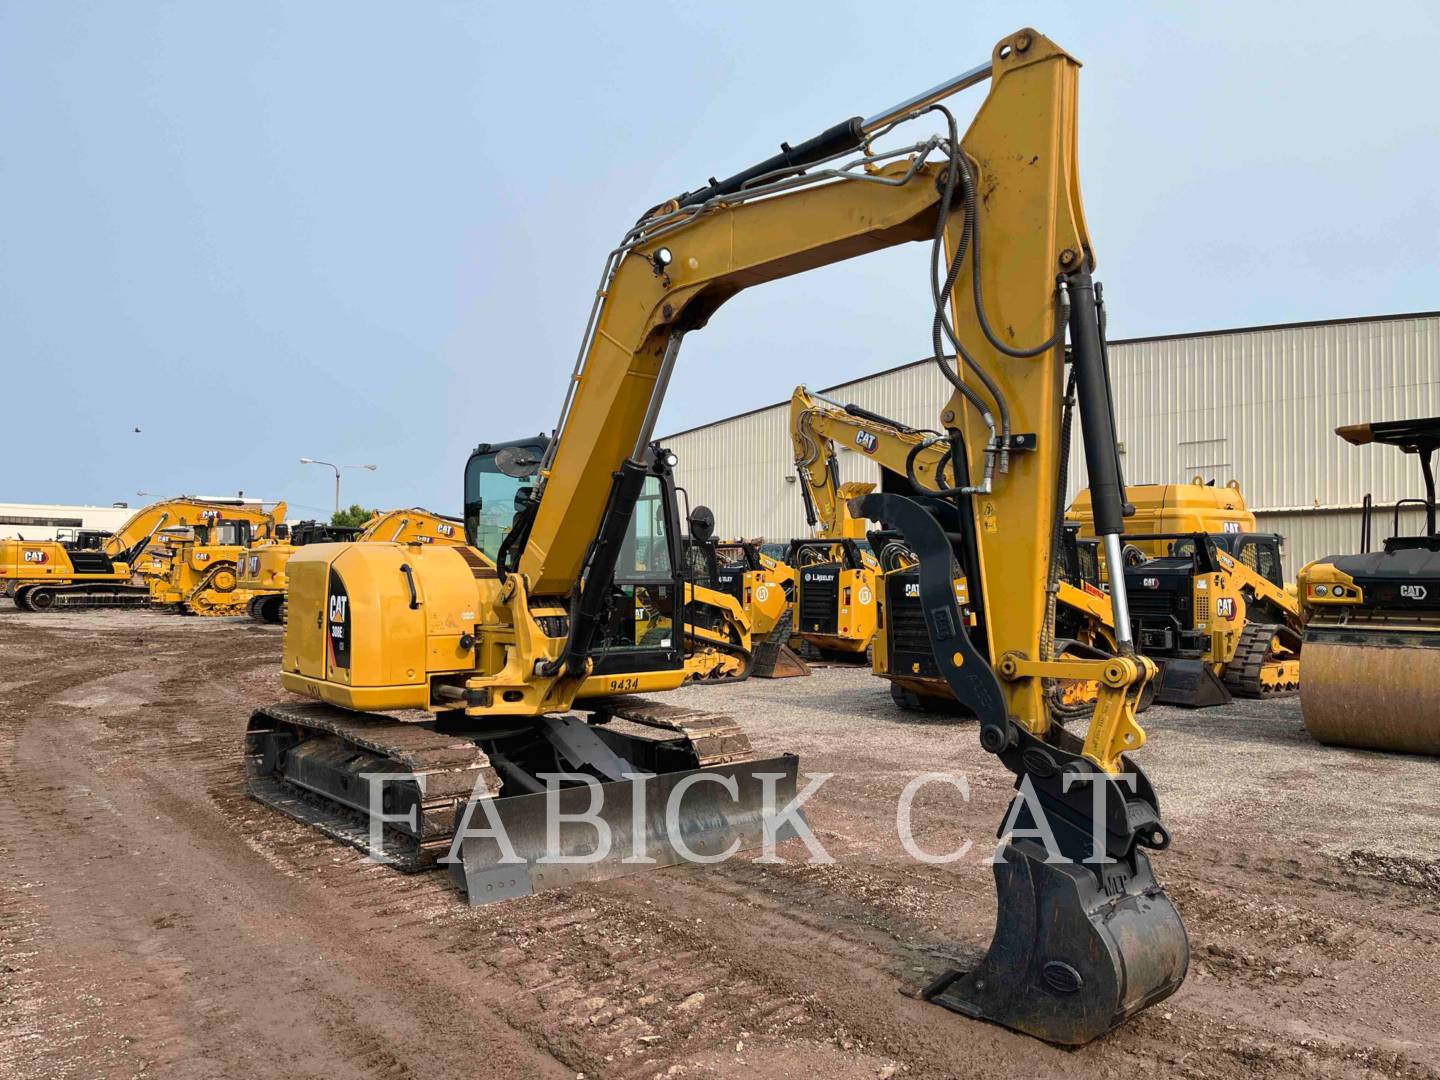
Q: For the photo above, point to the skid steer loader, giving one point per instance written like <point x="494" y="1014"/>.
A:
<point x="1208" y="601"/>
<point x="579" y="585"/>
<point x="762" y="588"/>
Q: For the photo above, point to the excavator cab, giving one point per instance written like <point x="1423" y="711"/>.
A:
<point x="82" y="539"/>
<point x="637" y="629"/>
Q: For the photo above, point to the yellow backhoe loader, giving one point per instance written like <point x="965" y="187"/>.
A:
<point x="195" y="569"/>
<point x="834" y="606"/>
<point x="911" y="462"/>
<point x="262" y="568"/>
<point x="47" y="574"/>
<point x="581" y="580"/>
<point x="1208" y="600"/>
<point x="1372" y="620"/>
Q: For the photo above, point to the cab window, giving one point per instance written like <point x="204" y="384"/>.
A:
<point x="1263" y="556"/>
<point x="491" y="500"/>
<point x="645" y="555"/>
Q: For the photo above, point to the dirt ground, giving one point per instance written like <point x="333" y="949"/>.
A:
<point x="156" y="922"/>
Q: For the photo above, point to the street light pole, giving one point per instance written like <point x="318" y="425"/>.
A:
<point x="337" y="468"/>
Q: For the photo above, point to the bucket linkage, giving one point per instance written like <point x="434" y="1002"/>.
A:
<point x="1084" y="936"/>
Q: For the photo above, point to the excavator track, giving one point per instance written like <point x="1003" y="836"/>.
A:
<point x="326" y="787"/>
<point x="716" y="739"/>
<point x="312" y="762"/>
<point x="1255" y="671"/>
<point x="79" y="596"/>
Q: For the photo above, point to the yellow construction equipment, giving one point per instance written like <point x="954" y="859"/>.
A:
<point x="262" y="568"/>
<point x="1208" y="600"/>
<point x="835" y="602"/>
<point x="758" y="585"/>
<point x="1372" y="620"/>
<point x="198" y="565"/>
<point x="1198" y="506"/>
<point x="40" y="575"/>
<point x="584" y="578"/>
<point x="913" y="462"/>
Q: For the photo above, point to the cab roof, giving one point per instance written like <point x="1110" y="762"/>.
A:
<point x="1411" y="436"/>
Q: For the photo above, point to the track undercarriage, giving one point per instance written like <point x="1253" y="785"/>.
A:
<point x="317" y="764"/>
<point x="79" y="595"/>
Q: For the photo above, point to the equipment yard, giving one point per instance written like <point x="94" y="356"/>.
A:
<point x="154" y="920"/>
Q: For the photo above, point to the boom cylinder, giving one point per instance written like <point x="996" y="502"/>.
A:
<point x="1102" y="452"/>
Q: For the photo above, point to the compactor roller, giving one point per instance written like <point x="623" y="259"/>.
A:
<point x="1372" y="635"/>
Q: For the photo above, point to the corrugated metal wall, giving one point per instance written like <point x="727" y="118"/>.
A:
<point x="1259" y="406"/>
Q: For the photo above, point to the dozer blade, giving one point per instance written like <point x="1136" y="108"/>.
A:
<point x="1190" y="684"/>
<point x="1373" y="691"/>
<point x="1071" y="958"/>
<point x="665" y="820"/>
<point x="776" y="660"/>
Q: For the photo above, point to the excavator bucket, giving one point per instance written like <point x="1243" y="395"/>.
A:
<point x="580" y="834"/>
<point x="1377" y="691"/>
<point x="1190" y="684"/>
<point x="1071" y="957"/>
<point x="776" y="660"/>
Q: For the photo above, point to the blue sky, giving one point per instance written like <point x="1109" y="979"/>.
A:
<point x="370" y="232"/>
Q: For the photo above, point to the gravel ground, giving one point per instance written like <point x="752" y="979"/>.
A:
<point x="156" y="922"/>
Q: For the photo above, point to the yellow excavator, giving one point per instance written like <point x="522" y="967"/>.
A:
<point x="911" y="462"/>
<point x="1372" y="620"/>
<point x="581" y="581"/>
<point x="262" y="568"/>
<point x="40" y="575"/>
<point x="1208" y="599"/>
<point x="195" y="569"/>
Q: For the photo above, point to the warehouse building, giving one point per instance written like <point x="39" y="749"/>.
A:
<point x="1258" y="405"/>
<point x="44" y="521"/>
<point x="51" y="521"/>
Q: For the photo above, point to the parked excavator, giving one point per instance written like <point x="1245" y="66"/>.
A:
<point x="40" y="575"/>
<point x="195" y="569"/>
<point x="262" y="568"/>
<point x="1208" y="600"/>
<point x="912" y="462"/>
<point x="1372" y="620"/>
<point x="498" y="652"/>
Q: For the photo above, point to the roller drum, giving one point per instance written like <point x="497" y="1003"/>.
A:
<point x="1381" y="696"/>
